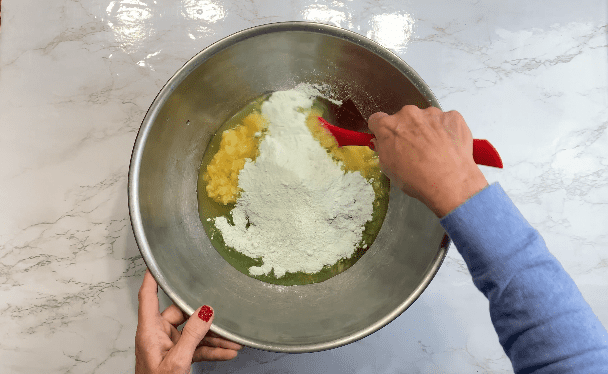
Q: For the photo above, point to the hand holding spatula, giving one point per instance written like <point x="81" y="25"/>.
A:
<point x="348" y="114"/>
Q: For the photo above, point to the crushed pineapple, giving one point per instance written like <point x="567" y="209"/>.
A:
<point x="237" y="145"/>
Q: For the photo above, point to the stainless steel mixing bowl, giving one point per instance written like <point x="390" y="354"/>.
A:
<point x="164" y="168"/>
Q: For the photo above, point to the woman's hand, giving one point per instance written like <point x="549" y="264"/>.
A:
<point x="428" y="153"/>
<point x="161" y="348"/>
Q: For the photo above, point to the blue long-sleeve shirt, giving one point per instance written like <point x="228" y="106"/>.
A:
<point x="543" y="323"/>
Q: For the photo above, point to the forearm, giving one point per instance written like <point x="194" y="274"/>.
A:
<point x="541" y="318"/>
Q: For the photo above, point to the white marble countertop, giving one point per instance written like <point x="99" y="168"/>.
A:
<point x="77" y="77"/>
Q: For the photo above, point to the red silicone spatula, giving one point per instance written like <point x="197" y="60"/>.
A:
<point x="483" y="152"/>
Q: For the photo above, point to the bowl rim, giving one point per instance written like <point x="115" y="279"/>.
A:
<point x="158" y="103"/>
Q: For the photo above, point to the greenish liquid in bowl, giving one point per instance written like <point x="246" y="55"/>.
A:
<point x="209" y="209"/>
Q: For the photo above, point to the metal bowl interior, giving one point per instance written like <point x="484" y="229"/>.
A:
<point x="163" y="205"/>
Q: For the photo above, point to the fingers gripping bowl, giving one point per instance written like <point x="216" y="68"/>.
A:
<point x="173" y="137"/>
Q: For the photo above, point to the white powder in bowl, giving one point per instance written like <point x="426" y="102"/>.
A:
<point x="298" y="210"/>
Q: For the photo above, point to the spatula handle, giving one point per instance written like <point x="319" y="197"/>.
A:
<point x="484" y="153"/>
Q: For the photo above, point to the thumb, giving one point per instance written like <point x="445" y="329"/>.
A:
<point x="193" y="332"/>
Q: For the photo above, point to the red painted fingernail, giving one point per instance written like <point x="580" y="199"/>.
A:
<point x="205" y="313"/>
